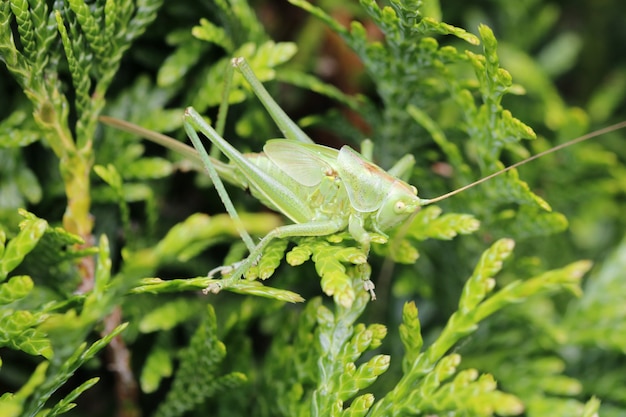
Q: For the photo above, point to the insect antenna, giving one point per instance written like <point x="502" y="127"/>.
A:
<point x="583" y="138"/>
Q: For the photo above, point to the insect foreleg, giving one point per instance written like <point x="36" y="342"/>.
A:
<point x="367" y="149"/>
<point x="317" y="228"/>
<point x="356" y="228"/>
<point x="402" y="169"/>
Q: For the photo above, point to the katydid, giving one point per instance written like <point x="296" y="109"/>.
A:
<point x="320" y="189"/>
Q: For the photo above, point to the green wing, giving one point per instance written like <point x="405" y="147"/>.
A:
<point x="305" y="163"/>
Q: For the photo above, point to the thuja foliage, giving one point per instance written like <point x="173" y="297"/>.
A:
<point x="104" y="246"/>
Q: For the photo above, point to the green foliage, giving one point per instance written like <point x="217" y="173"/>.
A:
<point x="195" y="380"/>
<point x="38" y="325"/>
<point x="431" y="381"/>
<point x="329" y="262"/>
<point x="410" y="68"/>
<point x="117" y="255"/>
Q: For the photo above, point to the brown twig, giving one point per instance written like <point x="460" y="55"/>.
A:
<point x="119" y="363"/>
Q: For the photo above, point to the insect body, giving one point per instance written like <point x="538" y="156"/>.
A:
<point x="335" y="187"/>
<point x="320" y="189"/>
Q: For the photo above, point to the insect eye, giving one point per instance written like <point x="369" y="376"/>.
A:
<point x="399" y="207"/>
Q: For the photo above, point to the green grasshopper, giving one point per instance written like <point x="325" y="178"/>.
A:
<point x="322" y="190"/>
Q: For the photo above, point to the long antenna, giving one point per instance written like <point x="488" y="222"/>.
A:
<point x="156" y="137"/>
<point x="583" y="138"/>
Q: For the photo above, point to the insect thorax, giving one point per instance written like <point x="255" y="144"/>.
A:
<point x="329" y="199"/>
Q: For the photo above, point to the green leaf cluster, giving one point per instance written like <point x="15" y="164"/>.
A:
<point x="195" y="378"/>
<point x="37" y="324"/>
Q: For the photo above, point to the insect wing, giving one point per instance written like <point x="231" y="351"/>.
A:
<point x="305" y="163"/>
<point x="366" y="184"/>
